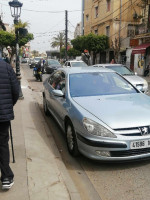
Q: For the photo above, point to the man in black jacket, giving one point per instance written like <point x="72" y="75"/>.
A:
<point x="9" y="94"/>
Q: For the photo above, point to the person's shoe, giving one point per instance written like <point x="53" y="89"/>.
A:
<point x="7" y="183"/>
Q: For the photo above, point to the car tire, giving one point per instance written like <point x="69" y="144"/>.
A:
<point x="71" y="139"/>
<point x="46" y="111"/>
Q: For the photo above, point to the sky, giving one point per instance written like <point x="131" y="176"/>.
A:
<point x="46" y="19"/>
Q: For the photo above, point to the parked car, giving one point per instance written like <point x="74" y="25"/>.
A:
<point x="51" y="65"/>
<point x="132" y="77"/>
<point x="31" y="62"/>
<point x="27" y="59"/>
<point x="37" y="59"/>
<point x="75" y="63"/>
<point x="103" y="115"/>
<point x="23" y="60"/>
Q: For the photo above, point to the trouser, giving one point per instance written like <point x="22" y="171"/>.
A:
<point x="6" y="171"/>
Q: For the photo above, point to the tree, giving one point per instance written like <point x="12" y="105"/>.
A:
<point x="35" y="53"/>
<point x="91" y="42"/>
<point x="58" y="41"/>
<point x="21" y="24"/>
<point x="116" y="49"/>
<point x="73" y="52"/>
<point x="8" y="39"/>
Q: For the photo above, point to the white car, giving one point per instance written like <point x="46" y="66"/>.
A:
<point x="129" y="75"/>
<point x="75" y="63"/>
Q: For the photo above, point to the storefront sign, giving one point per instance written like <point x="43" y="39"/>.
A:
<point x="134" y="42"/>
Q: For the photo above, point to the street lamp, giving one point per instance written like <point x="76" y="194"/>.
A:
<point x="15" y="7"/>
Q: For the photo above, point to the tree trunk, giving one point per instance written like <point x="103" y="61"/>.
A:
<point x="94" y="57"/>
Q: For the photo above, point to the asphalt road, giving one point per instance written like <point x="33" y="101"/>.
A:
<point x="95" y="180"/>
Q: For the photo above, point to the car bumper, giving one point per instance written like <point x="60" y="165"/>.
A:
<point x="117" y="150"/>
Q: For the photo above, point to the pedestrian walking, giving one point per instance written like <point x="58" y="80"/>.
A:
<point x="9" y="94"/>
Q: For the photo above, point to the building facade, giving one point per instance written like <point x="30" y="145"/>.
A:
<point x="120" y="20"/>
<point x="77" y="31"/>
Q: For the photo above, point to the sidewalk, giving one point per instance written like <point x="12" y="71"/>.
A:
<point x="39" y="171"/>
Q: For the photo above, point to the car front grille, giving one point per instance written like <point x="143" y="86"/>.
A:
<point x="136" y="131"/>
<point x="128" y="153"/>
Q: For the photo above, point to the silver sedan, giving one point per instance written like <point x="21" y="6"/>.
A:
<point x="132" y="77"/>
<point x="103" y="115"/>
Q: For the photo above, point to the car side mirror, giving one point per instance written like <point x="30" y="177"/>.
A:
<point x="135" y="73"/>
<point x="58" y="93"/>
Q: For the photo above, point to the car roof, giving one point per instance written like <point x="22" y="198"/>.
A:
<point x="111" y="65"/>
<point x="52" y="59"/>
<point x="74" y="61"/>
<point x="76" y="70"/>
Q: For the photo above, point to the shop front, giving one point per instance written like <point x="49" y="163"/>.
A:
<point x="140" y="58"/>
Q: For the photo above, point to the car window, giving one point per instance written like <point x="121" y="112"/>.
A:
<point x="79" y="64"/>
<point x="68" y="64"/>
<point x="123" y="70"/>
<point x="37" y="59"/>
<point x="53" y="62"/>
<point x="98" y="83"/>
<point x="57" y="81"/>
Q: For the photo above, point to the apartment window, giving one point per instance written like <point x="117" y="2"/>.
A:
<point x="107" y="31"/>
<point x="108" y="5"/>
<point x="131" y="31"/>
<point x="96" y="31"/>
<point x="87" y="17"/>
<point x="96" y="11"/>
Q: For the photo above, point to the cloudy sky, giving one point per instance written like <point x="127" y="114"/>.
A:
<point x="46" y="18"/>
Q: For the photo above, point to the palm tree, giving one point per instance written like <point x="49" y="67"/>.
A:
<point x="58" y="41"/>
<point x="21" y="24"/>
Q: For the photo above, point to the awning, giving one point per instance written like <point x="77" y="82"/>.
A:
<point x="141" y="49"/>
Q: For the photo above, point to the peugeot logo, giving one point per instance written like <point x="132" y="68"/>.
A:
<point x="144" y="130"/>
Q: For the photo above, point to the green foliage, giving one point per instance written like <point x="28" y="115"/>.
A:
<point x="62" y="52"/>
<point x="91" y="42"/>
<point x="73" y="52"/>
<point x="25" y="39"/>
<point x="7" y="39"/>
<point x="58" y="41"/>
<point x="21" y="24"/>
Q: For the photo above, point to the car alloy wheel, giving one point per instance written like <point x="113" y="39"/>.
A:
<point x="71" y="140"/>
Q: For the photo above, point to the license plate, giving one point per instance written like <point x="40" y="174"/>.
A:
<point x="140" y="144"/>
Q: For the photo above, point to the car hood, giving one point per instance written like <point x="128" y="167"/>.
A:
<point x="135" y="79"/>
<point x="118" y="111"/>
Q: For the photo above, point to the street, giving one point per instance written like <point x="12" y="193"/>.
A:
<point x="96" y="180"/>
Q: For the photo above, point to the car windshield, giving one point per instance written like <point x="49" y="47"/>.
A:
<point x="53" y="62"/>
<point x="98" y="83"/>
<point x="123" y="70"/>
<point x="78" y="64"/>
<point x="37" y="59"/>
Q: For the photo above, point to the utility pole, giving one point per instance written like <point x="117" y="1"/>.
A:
<point x="120" y="24"/>
<point x="82" y="19"/>
<point x="66" y="34"/>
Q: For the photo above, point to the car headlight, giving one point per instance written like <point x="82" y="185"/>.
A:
<point x="96" y="129"/>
